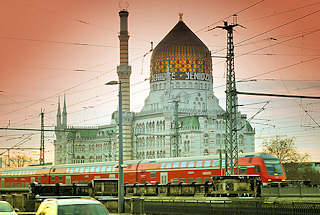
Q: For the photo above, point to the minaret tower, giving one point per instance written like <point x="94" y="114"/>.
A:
<point x="124" y="70"/>
<point x="64" y="113"/>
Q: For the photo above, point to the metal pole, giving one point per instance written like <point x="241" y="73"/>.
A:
<point x="120" y="166"/>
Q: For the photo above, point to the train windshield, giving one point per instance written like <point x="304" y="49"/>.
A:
<point x="273" y="167"/>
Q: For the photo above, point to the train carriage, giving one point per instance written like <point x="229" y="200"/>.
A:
<point x="173" y="170"/>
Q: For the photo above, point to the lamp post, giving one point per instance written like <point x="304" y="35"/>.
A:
<point x="120" y="164"/>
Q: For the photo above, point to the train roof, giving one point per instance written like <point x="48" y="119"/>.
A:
<point x="158" y="160"/>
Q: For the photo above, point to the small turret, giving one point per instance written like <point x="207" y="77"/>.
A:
<point x="59" y="114"/>
<point x="64" y="113"/>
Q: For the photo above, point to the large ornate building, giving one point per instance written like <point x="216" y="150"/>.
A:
<point x="180" y="117"/>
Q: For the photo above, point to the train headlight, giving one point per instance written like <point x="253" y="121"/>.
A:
<point x="269" y="179"/>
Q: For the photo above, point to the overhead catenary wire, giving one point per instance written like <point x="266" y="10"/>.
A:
<point x="272" y="29"/>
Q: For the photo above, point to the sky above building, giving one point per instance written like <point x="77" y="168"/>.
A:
<point x="55" y="48"/>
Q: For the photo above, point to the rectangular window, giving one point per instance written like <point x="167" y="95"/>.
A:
<point x="103" y="169"/>
<point x="152" y="174"/>
<point x="87" y="169"/>
<point x="183" y="164"/>
<point x="81" y="170"/>
<point x="215" y="163"/>
<point x="39" y="178"/>
<point x="108" y="168"/>
<point x="163" y="165"/>
<point x="71" y="170"/>
<point x="206" y="180"/>
<point x="92" y="169"/>
<point x="190" y="180"/>
<point x="52" y="178"/>
<point x="183" y="180"/>
<point x="175" y="180"/>
<point x="207" y="163"/>
<point x="98" y="169"/>
<point x="243" y="170"/>
<point x="257" y="169"/>
<point x="176" y="164"/>
<point x="199" y="180"/>
<point x="199" y="163"/>
<point x="68" y="170"/>
<point x="191" y="164"/>
<point x="60" y="178"/>
<point x="76" y="170"/>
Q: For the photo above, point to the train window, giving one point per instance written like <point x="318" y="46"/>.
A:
<point x="243" y="170"/>
<point x="190" y="180"/>
<point x="176" y="164"/>
<point x="183" y="180"/>
<point x="87" y="169"/>
<point x="22" y="184"/>
<point x="68" y="170"/>
<point x="183" y="164"/>
<point x="169" y="165"/>
<point x="52" y="178"/>
<point x="68" y="179"/>
<point x="103" y="169"/>
<point x="39" y="178"/>
<point x="92" y="169"/>
<point x="32" y="179"/>
<point x="199" y="163"/>
<point x="257" y="169"/>
<point x="81" y="170"/>
<point x="108" y="168"/>
<point x="175" y="180"/>
<point x="71" y="170"/>
<point x="199" y="180"/>
<point x="206" y="180"/>
<point x="113" y="169"/>
<point x="191" y="164"/>
<point x="215" y="163"/>
<point x="152" y="174"/>
<point x="207" y="163"/>
<point x="112" y="176"/>
<point x="98" y="169"/>
<point x="163" y="165"/>
<point x="76" y="170"/>
<point x="60" y="178"/>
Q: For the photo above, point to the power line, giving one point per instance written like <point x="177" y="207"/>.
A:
<point x="272" y="29"/>
<point x="281" y="12"/>
<point x="227" y="17"/>
<point x="278" y="95"/>
<point x="57" y="42"/>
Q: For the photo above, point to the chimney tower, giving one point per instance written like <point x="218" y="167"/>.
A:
<point x="124" y="70"/>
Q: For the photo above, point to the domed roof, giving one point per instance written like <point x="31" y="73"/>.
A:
<point x="181" y="47"/>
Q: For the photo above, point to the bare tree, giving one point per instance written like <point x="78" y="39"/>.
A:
<point x="284" y="149"/>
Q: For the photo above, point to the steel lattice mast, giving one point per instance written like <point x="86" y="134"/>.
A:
<point x="231" y="142"/>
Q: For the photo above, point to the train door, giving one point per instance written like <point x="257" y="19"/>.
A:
<point x="2" y="182"/>
<point x="163" y="178"/>
<point x="68" y="179"/>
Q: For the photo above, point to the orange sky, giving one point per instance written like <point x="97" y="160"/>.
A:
<point x="41" y="52"/>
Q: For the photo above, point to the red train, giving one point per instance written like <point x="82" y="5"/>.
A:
<point x="175" y="170"/>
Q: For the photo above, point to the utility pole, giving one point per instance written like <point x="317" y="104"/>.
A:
<point x="231" y="142"/>
<point x="42" y="139"/>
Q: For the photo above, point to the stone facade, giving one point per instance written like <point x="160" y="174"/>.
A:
<point x="181" y="117"/>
